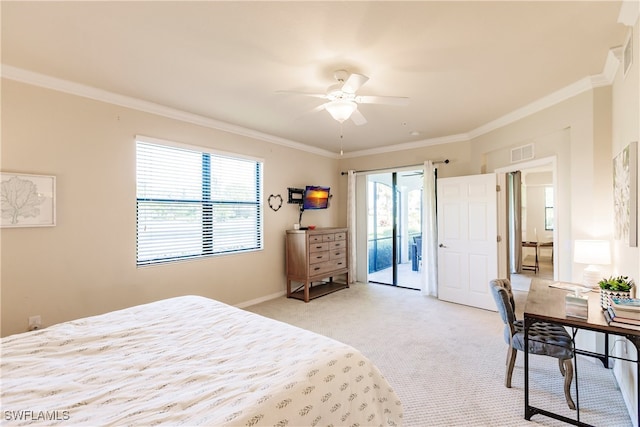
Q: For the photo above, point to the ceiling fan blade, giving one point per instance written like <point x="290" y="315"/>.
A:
<point x="354" y="82"/>
<point x="315" y="95"/>
<point x="358" y="118"/>
<point x="319" y="107"/>
<point x="390" y="100"/>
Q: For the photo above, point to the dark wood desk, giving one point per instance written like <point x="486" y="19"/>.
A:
<point x="545" y="303"/>
<point x="548" y="245"/>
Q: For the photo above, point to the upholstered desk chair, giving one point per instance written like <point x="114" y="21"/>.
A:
<point x="544" y="338"/>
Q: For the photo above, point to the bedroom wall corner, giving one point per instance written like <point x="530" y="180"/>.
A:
<point x="626" y="259"/>
<point x="566" y="131"/>
<point x="85" y="265"/>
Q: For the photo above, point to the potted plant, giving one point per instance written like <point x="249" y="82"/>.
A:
<point x="615" y="287"/>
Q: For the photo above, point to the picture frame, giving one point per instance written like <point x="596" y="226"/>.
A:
<point x="625" y="195"/>
<point x="627" y="54"/>
<point x="27" y="200"/>
<point x="296" y="195"/>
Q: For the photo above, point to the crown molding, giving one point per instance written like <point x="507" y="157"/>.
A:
<point x="588" y="83"/>
<point x="629" y="12"/>
<point x="583" y="85"/>
<point x="614" y="58"/>
<point x="461" y="137"/>
<point x="60" y="85"/>
<point x="534" y="107"/>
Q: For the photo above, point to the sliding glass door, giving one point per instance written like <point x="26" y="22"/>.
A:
<point x="394" y="212"/>
<point x="380" y="228"/>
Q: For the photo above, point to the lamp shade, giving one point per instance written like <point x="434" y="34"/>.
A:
<point x="340" y="109"/>
<point x="592" y="252"/>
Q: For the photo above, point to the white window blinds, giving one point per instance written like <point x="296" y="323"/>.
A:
<point x="192" y="203"/>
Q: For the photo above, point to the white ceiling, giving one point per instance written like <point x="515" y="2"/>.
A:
<point x="463" y="64"/>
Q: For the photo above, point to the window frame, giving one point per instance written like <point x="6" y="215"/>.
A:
<point x="547" y="208"/>
<point x="206" y="204"/>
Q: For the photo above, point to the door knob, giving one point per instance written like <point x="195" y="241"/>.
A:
<point x="442" y="246"/>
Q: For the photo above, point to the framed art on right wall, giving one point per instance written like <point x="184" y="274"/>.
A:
<point x="625" y="194"/>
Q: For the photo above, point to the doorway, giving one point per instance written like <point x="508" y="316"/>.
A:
<point x="394" y="228"/>
<point x="532" y="224"/>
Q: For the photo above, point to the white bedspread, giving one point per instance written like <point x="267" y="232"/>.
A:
<point x="189" y="361"/>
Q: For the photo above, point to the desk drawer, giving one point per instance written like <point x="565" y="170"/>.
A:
<point x="315" y="238"/>
<point x="317" y="257"/>
<point x="328" y="237"/>
<point x="340" y="244"/>
<point x="327" y="267"/>
<point x="318" y="247"/>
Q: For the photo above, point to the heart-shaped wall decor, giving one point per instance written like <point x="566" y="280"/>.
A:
<point x="275" y="202"/>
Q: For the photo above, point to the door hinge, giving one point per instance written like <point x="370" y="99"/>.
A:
<point x="497" y="188"/>
<point x="499" y="239"/>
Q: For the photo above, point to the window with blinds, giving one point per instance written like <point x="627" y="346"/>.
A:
<point x="192" y="203"/>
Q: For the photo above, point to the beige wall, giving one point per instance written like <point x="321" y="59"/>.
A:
<point x="571" y="132"/>
<point x="625" y="108"/>
<point x="85" y="265"/>
<point x="536" y="183"/>
<point x="457" y="153"/>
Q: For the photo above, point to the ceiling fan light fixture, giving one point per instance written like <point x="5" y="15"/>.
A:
<point x="341" y="110"/>
<point x="335" y="92"/>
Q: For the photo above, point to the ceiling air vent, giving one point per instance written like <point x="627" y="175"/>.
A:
<point x="524" y="152"/>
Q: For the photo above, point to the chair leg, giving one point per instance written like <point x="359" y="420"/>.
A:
<point x="561" y="365"/>
<point x="511" y="361"/>
<point x="568" y="378"/>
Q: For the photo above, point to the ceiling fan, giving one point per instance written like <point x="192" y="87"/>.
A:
<point x="342" y="100"/>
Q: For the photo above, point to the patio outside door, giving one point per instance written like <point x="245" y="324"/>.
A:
<point x="394" y="213"/>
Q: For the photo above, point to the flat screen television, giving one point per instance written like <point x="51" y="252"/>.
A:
<point x="315" y="197"/>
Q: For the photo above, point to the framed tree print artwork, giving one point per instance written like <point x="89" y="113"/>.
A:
<point x="625" y="195"/>
<point x="28" y="200"/>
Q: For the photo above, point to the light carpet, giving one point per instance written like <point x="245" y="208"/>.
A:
<point x="447" y="361"/>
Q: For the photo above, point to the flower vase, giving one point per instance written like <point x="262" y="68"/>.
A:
<point x="605" y="294"/>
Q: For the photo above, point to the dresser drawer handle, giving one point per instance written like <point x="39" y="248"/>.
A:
<point x="339" y="263"/>
<point x="317" y="268"/>
<point x="319" y="247"/>
<point x="319" y="257"/>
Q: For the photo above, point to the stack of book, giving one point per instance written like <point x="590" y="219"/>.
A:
<point x="624" y="312"/>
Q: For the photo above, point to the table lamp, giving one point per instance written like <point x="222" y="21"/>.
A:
<point x="592" y="253"/>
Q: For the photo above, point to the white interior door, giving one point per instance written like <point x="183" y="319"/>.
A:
<point x="467" y="239"/>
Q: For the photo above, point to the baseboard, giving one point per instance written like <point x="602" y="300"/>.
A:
<point x="259" y="300"/>
<point x="626" y="382"/>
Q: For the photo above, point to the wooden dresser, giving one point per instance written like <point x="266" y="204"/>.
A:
<point x="314" y="255"/>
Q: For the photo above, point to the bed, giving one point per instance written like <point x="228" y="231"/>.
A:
<point x="189" y="361"/>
